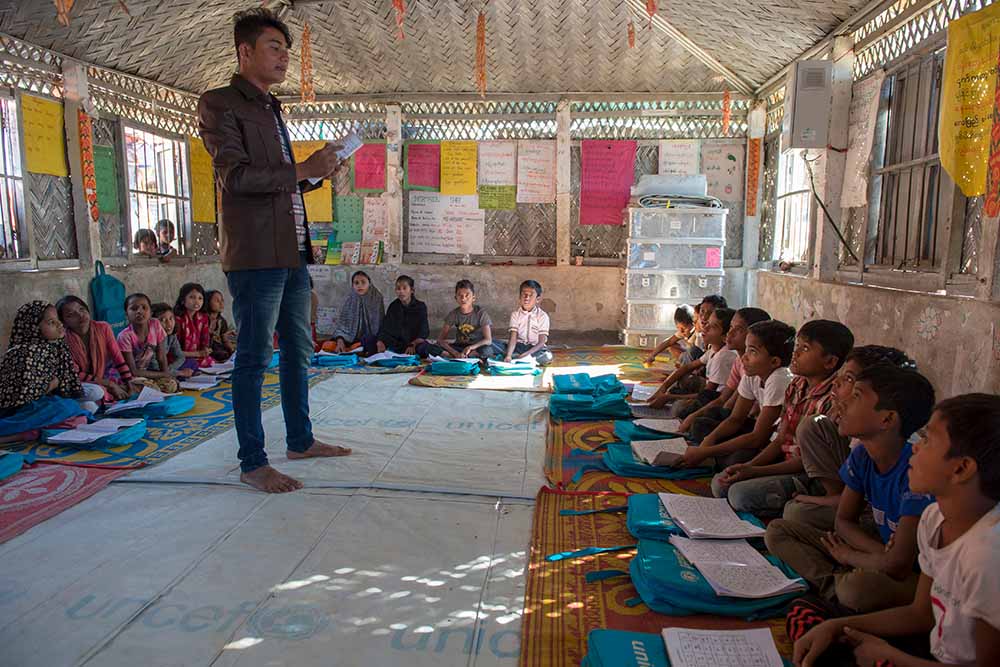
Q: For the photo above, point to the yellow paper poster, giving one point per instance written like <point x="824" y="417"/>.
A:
<point x="967" y="98"/>
<point x="458" y="167"/>
<point x="202" y="182"/>
<point x="44" y="138"/>
<point x="319" y="202"/>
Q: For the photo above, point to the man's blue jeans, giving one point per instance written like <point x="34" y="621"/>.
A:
<point x="265" y="301"/>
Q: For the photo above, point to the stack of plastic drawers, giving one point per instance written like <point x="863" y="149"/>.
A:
<point x="674" y="257"/>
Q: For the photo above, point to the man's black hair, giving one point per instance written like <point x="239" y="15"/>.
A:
<point x="835" y="338"/>
<point x="533" y="284"/>
<point x="715" y="300"/>
<point x="725" y="317"/>
<point x="684" y="314"/>
<point x="250" y="23"/>
<point x="973" y="423"/>
<point x="752" y="316"/>
<point x="777" y="338"/>
<point x="406" y="279"/>
<point x="465" y="283"/>
<point x="869" y="355"/>
<point x="903" y="391"/>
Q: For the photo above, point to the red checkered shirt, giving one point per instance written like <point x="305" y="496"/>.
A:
<point x="801" y="401"/>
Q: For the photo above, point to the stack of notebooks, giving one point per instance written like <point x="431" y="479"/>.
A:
<point x="682" y="647"/>
<point x="525" y="366"/>
<point x="88" y="433"/>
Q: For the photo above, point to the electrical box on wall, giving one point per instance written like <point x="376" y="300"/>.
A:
<point x="808" y="96"/>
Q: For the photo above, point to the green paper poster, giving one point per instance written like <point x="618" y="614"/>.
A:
<point x="497" y="196"/>
<point x="106" y="175"/>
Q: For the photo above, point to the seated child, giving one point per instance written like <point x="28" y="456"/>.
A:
<point x="473" y="328"/>
<point x="166" y="232"/>
<point x="529" y="327"/>
<point x="696" y="345"/>
<point x="684" y="321"/>
<point x="821" y="446"/>
<point x="192" y="326"/>
<point x="95" y="350"/>
<point x="360" y="317"/>
<point x="768" y="351"/>
<point x="860" y="571"/>
<point x="764" y="484"/>
<point x="38" y="363"/>
<point x="223" y="338"/>
<point x="704" y="420"/>
<point x="957" y="602"/>
<point x="717" y="361"/>
<point x="175" y="355"/>
<point x="143" y="340"/>
<point x="145" y="242"/>
<point x="405" y="327"/>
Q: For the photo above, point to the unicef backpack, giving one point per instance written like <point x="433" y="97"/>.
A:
<point x="619" y="648"/>
<point x="108" y="295"/>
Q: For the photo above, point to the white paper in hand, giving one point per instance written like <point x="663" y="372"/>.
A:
<point x="661" y="425"/>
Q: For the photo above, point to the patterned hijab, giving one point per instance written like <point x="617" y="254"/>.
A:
<point x="32" y="362"/>
<point x="360" y="315"/>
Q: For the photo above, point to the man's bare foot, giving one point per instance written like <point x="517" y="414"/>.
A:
<point x="269" y="480"/>
<point x="320" y="449"/>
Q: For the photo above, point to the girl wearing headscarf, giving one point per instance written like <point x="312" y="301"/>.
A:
<point x="360" y="317"/>
<point x="95" y="350"/>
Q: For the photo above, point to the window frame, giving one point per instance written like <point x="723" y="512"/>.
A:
<point x="184" y="231"/>
<point x="799" y="266"/>
<point x="31" y="261"/>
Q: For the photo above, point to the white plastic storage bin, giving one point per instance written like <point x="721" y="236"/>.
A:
<point x="670" y="256"/>
<point x="672" y="285"/>
<point x="651" y="315"/>
<point x="644" y="339"/>
<point x="678" y="223"/>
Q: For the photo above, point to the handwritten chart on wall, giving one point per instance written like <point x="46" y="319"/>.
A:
<point x="536" y="172"/>
<point x="607" y="170"/>
<point x="680" y="157"/>
<point x="319" y="202"/>
<point x="446" y="224"/>
<point x="497" y="174"/>
<point x="368" y="166"/>
<point x="423" y="166"/>
<point x="458" y="167"/>
<point x="864" y="112"/>
<point x="44" y="139"/>
<point x="106" y="176"/>
<point x="202" y="182"/>
<point x="376" y="225"/>
<point x="723" y="166"/>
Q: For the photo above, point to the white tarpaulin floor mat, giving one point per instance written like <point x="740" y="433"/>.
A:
<point x="404" y="438"/>
<point x="169" y="575"/>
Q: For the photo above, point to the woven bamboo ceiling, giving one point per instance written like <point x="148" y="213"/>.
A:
<point x="533" y="46"/>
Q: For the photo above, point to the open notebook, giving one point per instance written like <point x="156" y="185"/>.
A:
<point x="735" y="569"/>
<point x="707" y="518"/>
<point x="721" y="648"/>
<point x="87" y="433"/>
<point x="665" y="452"/>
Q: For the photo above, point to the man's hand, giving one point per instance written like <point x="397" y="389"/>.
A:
<point x="839" y="550"/>
<point x="734" y="473"/>
<point x="320" y="164"/>
<point x="380" y="347"/>
<point x="814" y="643"/>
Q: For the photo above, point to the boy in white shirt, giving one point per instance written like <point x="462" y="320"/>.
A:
<point x="958" y="597"/>
<point x="529" y="327"/>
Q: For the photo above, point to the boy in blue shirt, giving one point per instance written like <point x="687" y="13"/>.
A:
<point x="861" y="571"/>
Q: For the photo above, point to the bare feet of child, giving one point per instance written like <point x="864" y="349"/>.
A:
<point x="269" y="480"/>
<point x="319" y="449"/>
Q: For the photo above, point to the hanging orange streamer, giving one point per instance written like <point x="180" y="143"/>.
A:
<point x="400" y="6"/>
<point x="481" y="54"/>
<point x="727" y="111"/>
<point x="85" y="129"/>
<point x="63" y="8"/>
<point x="651" y="10"/>
<point x="308" y="91"/>
<point x="631" y="35"/>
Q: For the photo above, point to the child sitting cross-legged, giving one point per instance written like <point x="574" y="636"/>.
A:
<point x="404" y="329"/>
<point x="164" y="312"/>
<point x="957" y="601"/>
<point x="143" y="340"/>
<point x="529" y="327"/>
<point x="360" y="318"/>
<point x="859" y="570"/>
<point x="223" y="338"/>
<point x="768" y="351"/>
<point x="473" y="328"/>
<point x="678" y="343"/>
<point x="769" y="480"/>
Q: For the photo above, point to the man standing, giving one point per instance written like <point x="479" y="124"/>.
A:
<point x="264" y="242"/>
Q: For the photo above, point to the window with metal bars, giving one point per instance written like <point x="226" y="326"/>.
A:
<point x="13" y="231"/>
<point x="158" y="184"/>
<point x="792" y="212"/>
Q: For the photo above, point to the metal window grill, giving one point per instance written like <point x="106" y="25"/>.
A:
<point x="156" y="173"/>
<point x="769" y="197"/>
<point x="13" y="234"/>
<point x="30" y="68"/>
<point x="775" y="111"/>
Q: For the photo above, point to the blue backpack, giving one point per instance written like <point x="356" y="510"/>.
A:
<point x="126" y="436"/>
<point x="618" y="648"/>
<point x="619" y="459"/>
<point x="171" y="406"/>
<point x="454" y="367"/>
<point x="583" y="407"/>
<point x="582" y="383"/>
<point x="108" y="295"/>
<point x="335" y="360"/>
<point x="627" y="431"/>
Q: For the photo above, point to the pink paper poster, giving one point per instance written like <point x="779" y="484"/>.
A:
<point x="423" y="166"/>
<point x="607" y="170"/>
<point x="713" y="258"/>
<point x="369" y="167"/>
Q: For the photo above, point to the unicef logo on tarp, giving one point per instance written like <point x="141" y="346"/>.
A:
<point x="294" y="622"/>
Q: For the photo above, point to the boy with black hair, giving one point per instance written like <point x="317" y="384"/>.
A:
<point x="684" y="321"/>
<point x="958" y="597"/>
<point x="529" y="327"/>
<point x="859" y="571"/>
<point x="766" y="356"/>
<point x="764" y="484"/>
<point x="473" y="328"/>
<point x="696" y="344"/>
<point x="704" y="420"/>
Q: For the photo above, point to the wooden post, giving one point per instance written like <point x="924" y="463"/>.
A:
<point x="826" y="250"/>
<point x="563" y="203"/>
<point x="394" y="182"/>
<point x="88" y="231"/>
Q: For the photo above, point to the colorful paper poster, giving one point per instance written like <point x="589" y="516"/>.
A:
<point x="350" y="252"/>
<point x="458" y="167"/>
<point x="713" y="258"/>
<point x="753" y="175"/>
<point x="376" y="220"/>
<point x="106" y="175"/>
<point x="681" y="157"/>
<point x="423" y="166"/>
<point x="536" y="172"/>
<point x="723" y="166"/>
<point x="372" y="252"/>
<point x="607" y="171"/>
<point x="368" y="167"/>
<point x="497" y="174"/>
<point x="202" y="182"/>
<point x="991" y="203"/>
<point x="319" y="202"/>
<point x="320" y="273"/>
<point x="333" y="250"/>
<point x="864" y="114"/>
<point x="967" y="89"/>
<point x="348" y="217"/>
<point x="445" y="224"/>
<point x="44" y="137"/>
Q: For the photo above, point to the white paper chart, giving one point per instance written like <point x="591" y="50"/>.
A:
<point x="449" y="224"/>
<point x="721" y="648"/>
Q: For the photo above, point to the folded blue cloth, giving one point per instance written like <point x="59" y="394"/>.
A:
<point x="46" y="411"/>
<point x="396" y="362"/>
<point x="455" y="368"/>
<point x="335" y="360"/>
